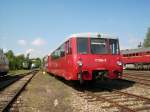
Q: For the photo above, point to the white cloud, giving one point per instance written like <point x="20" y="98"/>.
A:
<point x="5" y="50"/>
<point x="34" y="53"/>
<point x="22" y="42"/>
<point x="134" y="41"/>
<point x="39" y="42"/>
<point x="29" y="50"/>
<point x="130" y="41"/>
<point x="17" y="54"/>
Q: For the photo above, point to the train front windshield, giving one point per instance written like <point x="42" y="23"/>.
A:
<point x="98" y="46"/>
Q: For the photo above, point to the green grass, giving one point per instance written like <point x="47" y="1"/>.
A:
<point x="15" y="72"/>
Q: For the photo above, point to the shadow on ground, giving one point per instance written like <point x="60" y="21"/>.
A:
<point x="98" y="86"/>
<point x="7" y="80"/>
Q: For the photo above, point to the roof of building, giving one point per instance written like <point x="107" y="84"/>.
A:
<point x="130" y="51"/>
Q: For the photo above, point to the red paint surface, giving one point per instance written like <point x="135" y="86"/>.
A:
<point x="68" y="68"/>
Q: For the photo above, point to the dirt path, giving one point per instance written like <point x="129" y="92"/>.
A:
<point x="45" y="94"/>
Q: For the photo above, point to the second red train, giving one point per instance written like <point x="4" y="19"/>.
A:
<point x="138" y="59"/>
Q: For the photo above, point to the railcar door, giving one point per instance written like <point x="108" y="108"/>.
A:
<point x="68" y="60"/>
<point x="61" y="61"/>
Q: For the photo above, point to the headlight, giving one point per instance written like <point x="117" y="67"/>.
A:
<point x="119" y="63"/>
<point x="80" y="63"/>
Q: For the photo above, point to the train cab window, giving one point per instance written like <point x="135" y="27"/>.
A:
<point x="82" y="45"/>
<point x="99" y="46"/>
<point x="114" y="46"/>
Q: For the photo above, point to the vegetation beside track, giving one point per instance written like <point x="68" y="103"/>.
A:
<point x="45" y="94"/>
<point x="15" y="72"/>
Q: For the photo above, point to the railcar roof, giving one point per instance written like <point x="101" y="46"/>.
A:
<point x="93" y="35"/>
<point x="88" y="34"/>
<point x="130" y="51"/>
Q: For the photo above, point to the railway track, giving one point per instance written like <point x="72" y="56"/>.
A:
<point x="141" y="78"/>
<point x="6" y="81"/>
<point x="139" y="73"/>
<point x="9" y="94"/>
<point x="121" y="101"/>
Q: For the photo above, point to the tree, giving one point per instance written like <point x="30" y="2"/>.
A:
<point x="19" y="60"/>
<point x="11" y="58"/>
<point x="15" y="62"/>
<point x="38" y="62"/>
<point x="147" y="39"/>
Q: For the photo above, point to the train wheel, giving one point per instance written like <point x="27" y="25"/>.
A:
<point x="3" y="73"/>
<point x="80" y="78"/>
<point x="135" y="66"/>
<point x="140" y="67"/>
<point x="148" y="67"/>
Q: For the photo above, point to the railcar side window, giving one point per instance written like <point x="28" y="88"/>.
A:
<point x="124" y="55"/>
<point x="82" y="45"/>
<point x="56" y="54"/>
<point x="62" y="50"/>
<point x="98" y="46"/>
<point x="148" y="52"/>
<point x="68" y="47"/>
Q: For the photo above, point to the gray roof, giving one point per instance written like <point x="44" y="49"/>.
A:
<point x="130" y="51"/>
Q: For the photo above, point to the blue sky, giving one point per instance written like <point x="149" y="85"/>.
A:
<point x="38" y="26"/>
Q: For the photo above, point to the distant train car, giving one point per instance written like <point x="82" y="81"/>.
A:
<point x="87" y="56"/>
<point x="44" y="63"/>
<point x="26" y="64"/>
<point x="138" y="59"/>
<point x="4" y="64"/>
<point x="35" y="63"/>
<point x="47" y="63"/>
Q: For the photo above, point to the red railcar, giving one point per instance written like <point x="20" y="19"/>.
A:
<point x="138" y="59"/>
<point x="87" y="56"/>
